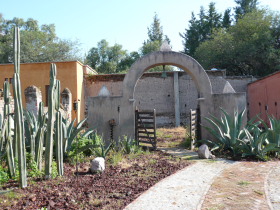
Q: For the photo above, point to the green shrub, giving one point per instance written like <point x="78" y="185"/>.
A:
<point x="4" y="176"/>
<point x="32" y="167"/>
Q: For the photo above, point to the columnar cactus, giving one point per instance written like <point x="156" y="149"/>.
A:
<point x="59" y="143"/>
<point x="52" y="100"/>
<point x="18" y="119"/>
<point x="8" y="130"/>
<point x="39" y="141"/>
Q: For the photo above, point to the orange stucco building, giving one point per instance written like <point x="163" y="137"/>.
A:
<point x="70" y="73"/>
<point x="264" y="97"/>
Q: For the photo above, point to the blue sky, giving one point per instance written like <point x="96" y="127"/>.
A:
<point x="118" y="21"/>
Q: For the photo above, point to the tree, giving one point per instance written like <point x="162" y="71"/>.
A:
<point x="247" y="48"/>
<point x="38" y="43"/>
<point x="106" y="59"/>
<point x="201" y="29"/>
<point x="127" y="61"/>
<point x="154" y="42"/>
<point x="244" y="7"/>
<point x="155" y="37"/>
<point x="226" y="19"/>
<point x="191" y="37"/>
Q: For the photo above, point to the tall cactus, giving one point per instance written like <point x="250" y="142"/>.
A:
<point x="58" y="132"/>
<point x="41" y="119"/>
<point x="8" y="130"/>
<point x="59" y="143"/>
<point x="51" y="119"/>
<point x="19" y="120"/>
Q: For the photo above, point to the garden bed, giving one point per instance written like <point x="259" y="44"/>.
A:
<point x="120" y="184"/>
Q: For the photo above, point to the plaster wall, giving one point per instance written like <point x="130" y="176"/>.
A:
<point x="69" y="73"/>
<point x="154" y="92"/>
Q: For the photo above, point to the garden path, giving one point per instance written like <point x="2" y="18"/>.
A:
<point x="183" y="190"/>
<point x="209" y="183"/>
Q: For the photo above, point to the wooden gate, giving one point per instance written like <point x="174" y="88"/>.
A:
<point x="145" y="127"/>
<point x="193" y="127"/>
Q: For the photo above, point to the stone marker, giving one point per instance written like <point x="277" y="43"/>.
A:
<point x="203" y="152"/>
<point x="97" y="165"/>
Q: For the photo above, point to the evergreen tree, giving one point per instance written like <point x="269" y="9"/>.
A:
<point x="246" y="48"/>
<point x="226" y="19"/>
<point x="155" y="37"/>
<point x="244" y="7"/>
<point x="200" y="29"/>
<point x="191" y="37"/>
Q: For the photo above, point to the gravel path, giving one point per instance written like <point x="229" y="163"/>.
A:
<point x="184" y="190"/>
<point x="273" y="185"/>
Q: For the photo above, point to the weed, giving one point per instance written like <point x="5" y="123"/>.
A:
<point x="152" y="161"/>
<point x="258" y="192"/>
<point x="243" y="183"/>
<point x="54" y="169"/>
<point x="115" y="158"/>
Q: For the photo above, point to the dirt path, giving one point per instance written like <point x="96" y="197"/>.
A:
<point x="240" y="187"/>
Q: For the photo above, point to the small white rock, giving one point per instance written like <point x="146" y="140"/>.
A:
<point x="203" y="152"/>
<point x="97" y="165"/>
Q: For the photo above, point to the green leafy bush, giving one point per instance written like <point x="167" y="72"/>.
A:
<point x="4" y="176"/>
<point x="32" y="167"/>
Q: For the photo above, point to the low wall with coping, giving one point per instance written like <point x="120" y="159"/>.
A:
<point x="154" y="92"/>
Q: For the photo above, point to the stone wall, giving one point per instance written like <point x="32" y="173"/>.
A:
<point x="154" y="92"/>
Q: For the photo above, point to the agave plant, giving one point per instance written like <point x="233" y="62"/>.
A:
<point x="128" y="145"/>
<point x="274" y="131"/>
<point x="256" y="144"/>
<point x="228" y="131"/>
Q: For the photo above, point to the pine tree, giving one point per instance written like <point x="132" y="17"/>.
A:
<point x="226" y="19"/>
<point x="244" y="7"/>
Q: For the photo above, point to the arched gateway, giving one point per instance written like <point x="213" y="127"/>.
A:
<point x="121" y="109"/>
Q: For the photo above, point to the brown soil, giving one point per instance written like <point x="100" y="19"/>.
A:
<point x="239" y="187"/>
<point x="113" y="189"/>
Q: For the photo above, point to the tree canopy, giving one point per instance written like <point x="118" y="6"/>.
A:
<point x="155" y="37"/>
<point x="201" y="28"/>
<point x="38" y="43"/>
<point x="247" y="48"/>
<point x="110" y="59"/>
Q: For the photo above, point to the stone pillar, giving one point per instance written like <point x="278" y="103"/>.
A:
<point x="33" y="97"/>
<point x="176" y="98"/>
<point x="66" y="100"/>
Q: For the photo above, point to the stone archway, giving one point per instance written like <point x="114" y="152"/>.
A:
<point x="104" y="108"/>
<point x="185" y="62"/>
